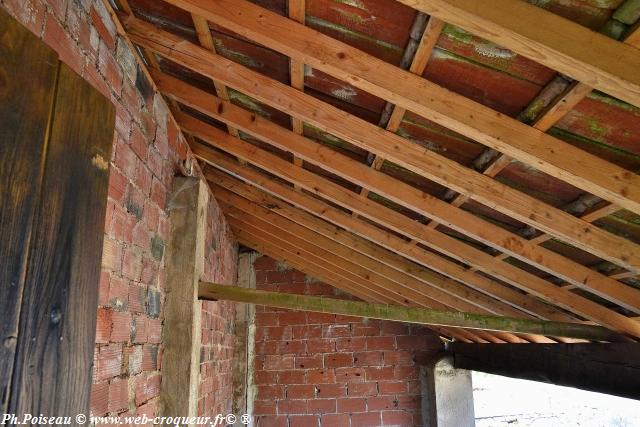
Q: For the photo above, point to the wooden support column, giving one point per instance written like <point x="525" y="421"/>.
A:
<point x="604" y="368"/>
<point x="182" y="325"/>
<point x="245" y="331"/>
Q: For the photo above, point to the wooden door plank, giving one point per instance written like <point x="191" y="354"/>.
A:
<point x="26" y="101"/>
<point x="56" y="339"/>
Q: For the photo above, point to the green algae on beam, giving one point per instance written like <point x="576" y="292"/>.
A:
<point x="422" y="316"/>
<point x="247" y="102"/>
<point x="540" y="195"/>
<point x="353" y="35"/>
<point x="438" y="130"/>
<point x="235" y="56"/>
<point x="329" y="139"/>
<point x="614" y="102"/>
<point x="628" y="12"/>
<point x="569" y="136"/>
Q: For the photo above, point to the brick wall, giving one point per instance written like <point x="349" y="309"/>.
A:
<point x="314" y="369"/>
<point x="148" y="150"/>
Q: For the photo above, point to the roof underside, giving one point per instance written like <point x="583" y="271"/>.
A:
<point x="469" y="229"/>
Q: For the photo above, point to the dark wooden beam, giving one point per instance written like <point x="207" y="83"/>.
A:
<point x="604" y="368"/>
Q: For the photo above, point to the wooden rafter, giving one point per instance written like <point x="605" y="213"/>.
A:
<point x="401" y="224"/>
<point x="401" y="193"/>
<point x="403" y="314"/>
<point x="374" y="234"/>
<point x="444" y="171"/>
<point x="427" y="99"/>
<point x="549" y="39"/>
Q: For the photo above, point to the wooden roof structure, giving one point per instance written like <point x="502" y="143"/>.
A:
<point x="470" y="156"/>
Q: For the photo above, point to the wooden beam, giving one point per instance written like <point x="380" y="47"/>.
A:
<point x="293" y="258"/>
<point x="401" y="193"/>
<point x="433" y="166"/>
<point x="603" y="368"/>
<point x="427" y="99"/>
<point x="380" y="237"/>
<point x="187" y="207"/>
<point x="385" y="262"/>
<point x="402" y="224"/>
<point x="214" y="292"/>
<point x="547" y="38"/>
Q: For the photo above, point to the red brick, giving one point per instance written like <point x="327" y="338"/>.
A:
<point x="380" y="373"/>
<point x="136" y="298"/>
<point x="303" y="421"/>
<point x="104" y="27"/>
<point x="381" y="343"/>
<point x="336" y="331"/>
<point x="121" y="329"/>
<point x="266" y="319"/>
<point x="334" y="420"/>
<point x="265" y="377"/>
<point x="292" y="347"/>
<point x="277" y="362"/>
<point x="301" y="391"/>
<point x="112" y="255"/>
<point x="154" y="330"/>
<point x="326" y="391"/>
<point x="292" y="377"/>
<point x="147" y="387"/>
<point x="349" y="405"/>
<point x="292" y="318"/>
<point x="365" y="330"/>
<point x="367" y="358"/>
<point x="110" y="69"/>
<point x="149" y="357"/>
<point x="321" y="406"/>
<point x="140" y="328"/>
<point x="264" y="408"/>
<point x="270" y="392"/>
<point x="405" y="373"/>
<point x="132" y="263"/>
<point x="55" y="36"/>
<point x="309" y="362"/>
<point x="381" y="403"/>
<point x="362" y="389"/>
<point x="108" y="362"/>
<point x="350" y="374"/>
<point x="409" y="402"/>
<point x="158" y="193"/>
<point x="100" y="398"/>
<point x="118" y="395"/>
<point x="398" y="358"/>
<point x="397" y="418"/>
<point x="366" y="419"/>
<point x="103" y="325"/>
<point x="321" y="376"/>
<point x="272" y="421"/>
<point x="351" y="344"/>
<point x="392" y="387"/>
<point x="306" y="331"/>
<point x="117" y="184"/>
<point x="321" y="346"/>
<point x="338" y="360"/>
<point x="292" y="406"/>
<point x="412" y="343"/>
<point x="393" y="328"/>
<point x="139" y="144"/>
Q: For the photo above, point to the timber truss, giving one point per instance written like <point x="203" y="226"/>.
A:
<point x="315" y="181"/>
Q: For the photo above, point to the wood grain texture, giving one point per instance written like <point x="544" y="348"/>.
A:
<point x="401" y="193"/>
<point x="385" y="144"/>
<point x="429" y="100"/>
<point x="187" y="207"/>
<point x="22" y="146"/>
<point x="58" y="317"/>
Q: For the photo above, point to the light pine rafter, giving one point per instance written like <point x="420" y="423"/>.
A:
<point x="401" y="224"/>
<point x="356" y="131"/>
<point x="427" y="99"/>
<point x="401" y="193"/>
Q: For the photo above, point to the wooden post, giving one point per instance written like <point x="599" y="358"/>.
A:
<point x="423" y="316"/>
<point x="604" y="368"/>
<point x="243" y="351"/>
<point x="182" y="325"/>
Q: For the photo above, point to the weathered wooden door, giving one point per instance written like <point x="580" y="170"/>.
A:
<point x="56" y="134"/>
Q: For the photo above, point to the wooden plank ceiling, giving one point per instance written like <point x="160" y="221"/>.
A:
<point x="427" y="153"/>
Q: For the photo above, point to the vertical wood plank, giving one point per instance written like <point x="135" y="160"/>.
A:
<point x="54" y="358"/>
<point x="185" y="265"/>
<point x="25" y="103"/>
